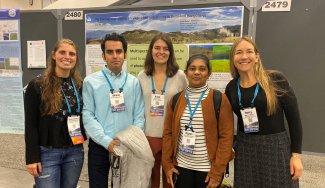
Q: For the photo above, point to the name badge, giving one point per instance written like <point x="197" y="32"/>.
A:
<point x="74" y="130"/>
<point x="157" y="105"/>
<point x="250" y="120"/>
<point x="117" y="101"/>
<point x="188" y="142"/>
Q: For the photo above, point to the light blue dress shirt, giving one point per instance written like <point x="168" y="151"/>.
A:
<point x="99" y="121"/>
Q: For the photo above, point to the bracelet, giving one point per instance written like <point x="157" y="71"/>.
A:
<point x="296" y="156"/>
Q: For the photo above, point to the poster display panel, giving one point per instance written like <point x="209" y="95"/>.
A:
<point x="11" y="95"/>
<point x="209" y="31"/>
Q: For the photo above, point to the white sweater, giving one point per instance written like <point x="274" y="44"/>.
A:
<point x="155" y="125"/>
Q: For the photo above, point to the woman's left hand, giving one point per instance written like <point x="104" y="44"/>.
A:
<point x="212" y="182"/>
<point x="296" y="167"/>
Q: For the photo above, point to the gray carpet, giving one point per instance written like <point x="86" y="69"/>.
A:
<point x="12" y="155"/>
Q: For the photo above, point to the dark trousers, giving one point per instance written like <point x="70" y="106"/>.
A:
<point x="98" y="165"/>
<point x="191" y="178"/>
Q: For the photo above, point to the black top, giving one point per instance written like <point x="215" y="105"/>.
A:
<point x="48" y="130"/>
<point x="269" y="124"/>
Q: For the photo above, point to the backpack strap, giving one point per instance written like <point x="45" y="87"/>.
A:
<point x="217" y="98"/>
<point x="175" y="99"/>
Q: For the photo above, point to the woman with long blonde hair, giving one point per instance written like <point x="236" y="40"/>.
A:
<point x="54" y="133"/>
<point x="264" y="155"/>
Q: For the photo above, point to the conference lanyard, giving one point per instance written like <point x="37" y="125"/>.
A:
<point x="110" y="85"/>
<point x="77" y="96"/>
<point x="239" y="94"/>
<point x="190" y="109"/>
<point x="154" y="88"/>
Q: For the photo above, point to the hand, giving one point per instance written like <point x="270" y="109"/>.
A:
<point x="295" y="168"/>
<point x="212" y="182"/>
<point x="112" y="145"/>
<point x="170" y="176"/>
<point x="34" y="169"/>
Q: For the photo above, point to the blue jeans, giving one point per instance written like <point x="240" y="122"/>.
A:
<point x="61" y="167"/>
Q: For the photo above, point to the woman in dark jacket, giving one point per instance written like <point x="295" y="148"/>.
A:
<point x="54" y="133"/>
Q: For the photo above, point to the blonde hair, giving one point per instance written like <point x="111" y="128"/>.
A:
<point x="51" y="100"/>
<point x="262" y="76"/>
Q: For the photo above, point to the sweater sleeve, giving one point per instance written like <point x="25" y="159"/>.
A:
<point x="83" y="131"/>
<point x="289" y="104"/>
<point x="224" y="152"/>
<point x="32" y="103"/>
<point x="167" y="144"/>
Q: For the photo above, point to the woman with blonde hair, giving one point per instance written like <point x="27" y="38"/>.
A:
<point x="54" y="133"/>
<point x="264" y="155"/>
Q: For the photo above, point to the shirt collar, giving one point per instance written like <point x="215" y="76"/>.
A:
<point x="111" y="74"/>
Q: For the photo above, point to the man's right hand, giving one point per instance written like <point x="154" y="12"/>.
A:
<point x="34" y="169"/>
<point x="112" y="145"/>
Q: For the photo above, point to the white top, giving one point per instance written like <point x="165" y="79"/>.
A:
<point x="154" y="126"/>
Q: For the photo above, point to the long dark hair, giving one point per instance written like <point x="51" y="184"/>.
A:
<point x="172" y="66"/>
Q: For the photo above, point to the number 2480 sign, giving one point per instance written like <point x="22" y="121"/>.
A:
<point x="74" y="15"/>
<point x="277" y="5"/>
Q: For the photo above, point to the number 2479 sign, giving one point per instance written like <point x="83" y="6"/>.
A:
<point x="277" y="5"/>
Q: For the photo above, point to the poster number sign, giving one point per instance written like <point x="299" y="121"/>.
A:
<point x="74" y="15"/>
<point x="277" y="5"/>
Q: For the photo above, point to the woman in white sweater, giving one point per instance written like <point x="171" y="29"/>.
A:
<point x="160" y="80"/>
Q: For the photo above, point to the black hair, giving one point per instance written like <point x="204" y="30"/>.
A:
<point x="114" y="37"/>
<point x="204" y="58"/>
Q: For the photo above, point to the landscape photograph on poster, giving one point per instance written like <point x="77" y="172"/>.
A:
<point x="184" y="26"/>
<point x="199" y="30"/>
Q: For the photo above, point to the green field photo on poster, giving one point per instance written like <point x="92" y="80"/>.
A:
<point x="217" y="53"/>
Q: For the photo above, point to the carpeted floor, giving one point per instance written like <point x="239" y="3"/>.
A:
<point x="12" y="155"/>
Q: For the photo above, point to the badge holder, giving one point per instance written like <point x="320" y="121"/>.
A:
<point x="250" y="120"/>
<point x="188" y="142"/>
<point x="74" y="130"/>
<point x="117" y="101"/>
<point x="157" y="105"/>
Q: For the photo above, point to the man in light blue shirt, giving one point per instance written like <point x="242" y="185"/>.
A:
<point x="113" y="101"/>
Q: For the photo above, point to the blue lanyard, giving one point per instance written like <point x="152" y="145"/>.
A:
<point x="190" y="109"/>
<point x="67" y="101"/>
<point x="239" y="94"/>
<point x="110" y="85"/>
<point x="154" y="88"/>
